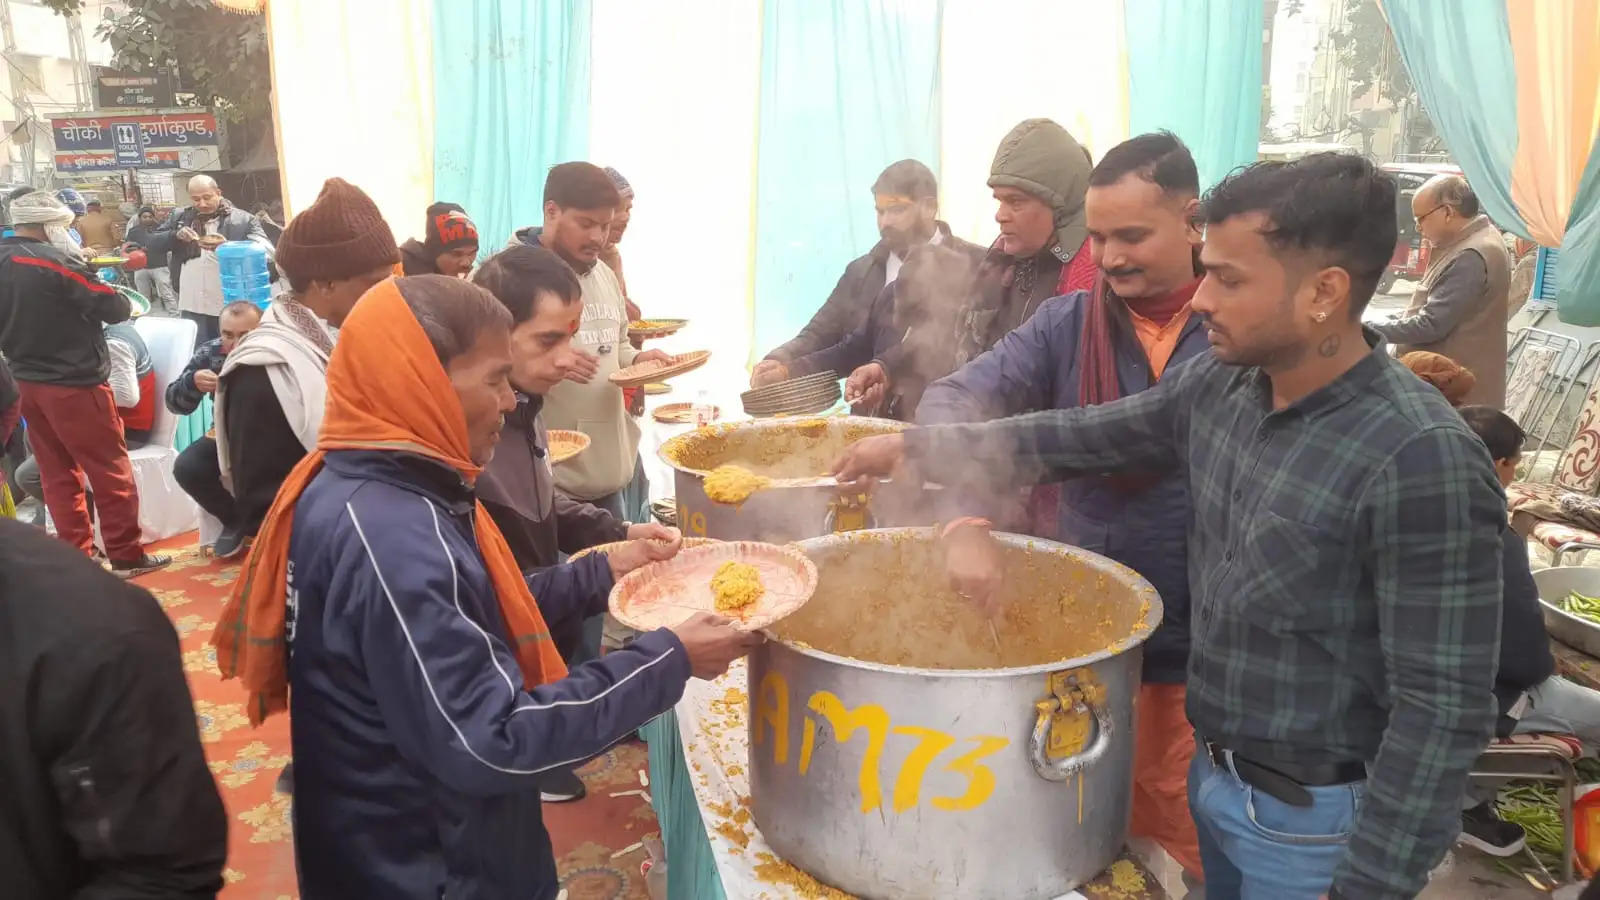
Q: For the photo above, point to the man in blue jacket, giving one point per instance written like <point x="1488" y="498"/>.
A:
<point x="1088" y="348"/>
<point x="425" y="693"/>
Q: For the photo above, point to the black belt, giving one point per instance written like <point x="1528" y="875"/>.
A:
<point x="1286" y="781"/>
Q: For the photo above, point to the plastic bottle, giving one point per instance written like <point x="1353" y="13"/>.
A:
<point x="704" y="411"/>
<point x="243" y="266"/>
<point x="654" y="869"/>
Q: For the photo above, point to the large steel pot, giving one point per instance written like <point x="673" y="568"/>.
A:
<point x="802" y="502"/>
<point x="900" y="748"/>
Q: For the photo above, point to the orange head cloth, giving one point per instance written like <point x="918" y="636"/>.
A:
<point x="386" y="391"/>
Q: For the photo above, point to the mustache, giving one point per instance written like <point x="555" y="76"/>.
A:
<point x="1123" y="273"/>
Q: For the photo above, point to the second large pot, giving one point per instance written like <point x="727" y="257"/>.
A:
<point x="900" y="748"/>
<point x="800" y="503"/>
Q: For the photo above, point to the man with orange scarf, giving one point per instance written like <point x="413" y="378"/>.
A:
<point x="427" y="694"/>
<point x="1091" y="347"/>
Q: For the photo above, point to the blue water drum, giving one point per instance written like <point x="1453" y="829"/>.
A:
<point x="244" y="272"/>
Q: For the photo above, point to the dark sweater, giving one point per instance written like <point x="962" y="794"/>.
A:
<point x="518" y="489"/>
<point x="106" y="791"/>
<point x="262" y="448"/>
<point x="52" y="313"/>
<point x="1525" y="658"/>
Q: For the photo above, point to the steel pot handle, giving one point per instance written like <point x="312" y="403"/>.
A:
<point x="1068" y="701"/>
<point x="846" y="513"/>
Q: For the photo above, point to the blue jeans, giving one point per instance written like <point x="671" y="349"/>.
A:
<point x="1256" y="847"/>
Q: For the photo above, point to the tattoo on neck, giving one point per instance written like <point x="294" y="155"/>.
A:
<point x="1329" y="345"/>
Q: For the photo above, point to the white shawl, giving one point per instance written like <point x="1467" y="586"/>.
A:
<point x="298" y="371"/>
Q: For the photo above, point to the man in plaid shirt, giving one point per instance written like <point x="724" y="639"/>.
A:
<point x="1343" y="551"/>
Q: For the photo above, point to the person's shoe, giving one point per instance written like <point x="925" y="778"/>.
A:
<point x="1486" y="832"/>
<point x="561" y="786"/>
<point x="132" y="568"/>
<point x="230" y="543"/>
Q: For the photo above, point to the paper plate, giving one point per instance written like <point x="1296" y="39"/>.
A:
<point x="657" y="370"/>
<point x="666" y="593"/>
<point x="655" y="328"/>
<point x="607" y="548"/>
<point x="564" y="445"/>
<point x="681" y="414"/>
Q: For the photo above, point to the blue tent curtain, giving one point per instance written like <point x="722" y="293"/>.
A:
<point x="1458" y="54"/>
<point x="511" y="99"/>
<point x="1578" y="295"/>
<point x="1194" y="68"/>
<point x="847" y="87"/>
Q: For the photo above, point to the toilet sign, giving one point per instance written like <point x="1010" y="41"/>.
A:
<point x="128" y="141"/>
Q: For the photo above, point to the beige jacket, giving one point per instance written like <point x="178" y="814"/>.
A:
<point x="1461" y="314"/>
<point x="596" y="408"/>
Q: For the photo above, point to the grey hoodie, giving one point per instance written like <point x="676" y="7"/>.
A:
<point x="1044" y="159"/>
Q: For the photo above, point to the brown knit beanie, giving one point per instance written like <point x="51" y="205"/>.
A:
<point x="340" y="236"/>
<point x="1452" y="380"/>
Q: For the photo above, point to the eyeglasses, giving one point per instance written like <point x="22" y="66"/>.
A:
<point x="1430" y="212"/>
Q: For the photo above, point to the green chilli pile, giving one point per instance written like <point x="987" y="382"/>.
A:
<point x="1583" y="607"/>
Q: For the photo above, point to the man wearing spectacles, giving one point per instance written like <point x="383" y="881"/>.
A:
<point x="1459" y="309"/>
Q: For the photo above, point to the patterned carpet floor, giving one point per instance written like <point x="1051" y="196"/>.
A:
<point x="589" y="835"/>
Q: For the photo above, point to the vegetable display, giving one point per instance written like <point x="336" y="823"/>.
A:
<point x="1583" y="607"/>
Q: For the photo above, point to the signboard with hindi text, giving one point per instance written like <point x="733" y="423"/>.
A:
<point x="99" y="142"/>
<point x="136" y="90"/>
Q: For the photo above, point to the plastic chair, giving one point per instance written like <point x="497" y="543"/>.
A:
<point x="164" y="509"/>
<point x="1509" y="758"/>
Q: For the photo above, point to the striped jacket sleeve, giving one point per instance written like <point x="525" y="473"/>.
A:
<point x="452" y="693"/>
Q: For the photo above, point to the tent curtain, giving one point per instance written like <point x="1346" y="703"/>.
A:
<point x="685" y="138"/>
<point x="1069" y="63"/>
<point x="1553" y="45"/>
<point x="1194" y="68"/>
<point x="510" y="99"/>
<point x="353" y="97"/>
<point x="1458" y="53"/>
<point x="847" y="87"/>
<point x="1514" y="88"/>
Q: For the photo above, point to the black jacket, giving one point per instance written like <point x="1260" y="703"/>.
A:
<point x="518" y="489"/>
<point x="1525" y="658"/>
<point x="846" y="308"/>
<point x="183" y="397"/>
<point x="52" y="311"/>
<point x="139" y="236"/>
<point x="237" y="225"/>
<point x="262" y="448"/>
<point x="106" y="794"/>
<point x="415" y="260"/>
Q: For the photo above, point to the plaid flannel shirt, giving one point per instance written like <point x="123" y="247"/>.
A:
<point x="1344" y="564"/>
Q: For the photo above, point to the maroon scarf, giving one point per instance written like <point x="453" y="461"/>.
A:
<point x="1097" y="352"/>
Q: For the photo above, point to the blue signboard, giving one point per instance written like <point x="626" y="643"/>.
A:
<point x="129" y="143"/>
<point x="171" y="140"/>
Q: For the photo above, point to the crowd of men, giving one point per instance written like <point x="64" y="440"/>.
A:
<point x="1181" y="381"/>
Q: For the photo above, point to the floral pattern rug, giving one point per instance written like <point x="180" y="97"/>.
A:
<point x="597" y="840"/>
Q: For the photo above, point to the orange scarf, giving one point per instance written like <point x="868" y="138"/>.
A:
<point x="386" y="391"/>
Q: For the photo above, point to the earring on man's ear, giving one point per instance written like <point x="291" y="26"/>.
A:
<point x="1321" y="317"/>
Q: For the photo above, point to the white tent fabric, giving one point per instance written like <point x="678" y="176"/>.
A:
<point x="353" y="96"/>
<point x="674" y="110"/>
